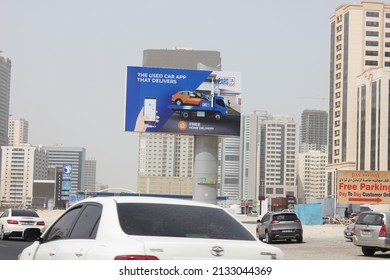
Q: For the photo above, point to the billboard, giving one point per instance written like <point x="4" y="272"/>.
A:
<point x="196" y="102"/>
<point x="363" y="187"/>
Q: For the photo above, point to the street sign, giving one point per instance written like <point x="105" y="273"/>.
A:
<point x="363" y="187"/>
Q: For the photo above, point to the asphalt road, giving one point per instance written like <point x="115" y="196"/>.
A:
<point x="11" y="248"/>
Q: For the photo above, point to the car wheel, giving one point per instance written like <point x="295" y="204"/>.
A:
<point x="267" y="238"/>
<point x="367" y="251"/>
<point x="300" y="239"/>
<point x="217" y="116"/>
<point x="3" y="236"/>
<point x="178" y="102"/>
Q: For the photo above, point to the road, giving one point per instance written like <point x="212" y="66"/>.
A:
<point x="10" y="249"/>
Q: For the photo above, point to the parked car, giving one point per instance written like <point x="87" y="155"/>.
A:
<point x="253" y="213"/>
<point x="186" y="97"/>
<point x="348" y="231"/>
<point x="14" y="223"/>
<point x="279" y="226"/>
<point x="372" y="232"/>
<point x="147" y="228"/>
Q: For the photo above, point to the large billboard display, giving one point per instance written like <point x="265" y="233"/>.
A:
<point x="195" y="102"/>
<point x="360" y="187"/>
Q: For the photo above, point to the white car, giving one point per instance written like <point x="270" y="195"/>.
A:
<point x="14" y="222"/>
<point x="147" y="228"/>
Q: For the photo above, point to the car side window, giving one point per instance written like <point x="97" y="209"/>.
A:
<point x="265" y="218"/>
<point x="5" y="214"/>
<point x="62" y="227"/>
<point x="87" y="223"/>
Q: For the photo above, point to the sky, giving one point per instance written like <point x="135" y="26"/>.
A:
<point x="69" y="62"/>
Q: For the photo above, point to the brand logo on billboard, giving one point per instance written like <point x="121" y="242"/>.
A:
<point x="67" y="171"/>
<point x="182" y="125"/>
<point x="227" y="81"/>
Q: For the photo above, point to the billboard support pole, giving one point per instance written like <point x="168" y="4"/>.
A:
<point x="205" y="169"/>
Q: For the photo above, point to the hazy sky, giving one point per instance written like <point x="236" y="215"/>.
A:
<point x="69" y="63"/>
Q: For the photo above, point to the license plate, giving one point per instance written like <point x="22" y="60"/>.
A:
<point x="287" y="230"/>
<point x="349" y="234"/>
<point x="366" y="232"/>
<point x="27" y="223"/>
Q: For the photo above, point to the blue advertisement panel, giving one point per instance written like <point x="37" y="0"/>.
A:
<point x="67" y="171"/>
<point x="195" y="102"/>
<point x="66" y="185"/>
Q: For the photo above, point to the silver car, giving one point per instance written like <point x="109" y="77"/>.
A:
<point x="279" y="226"/>
<point x="372" y="232"/>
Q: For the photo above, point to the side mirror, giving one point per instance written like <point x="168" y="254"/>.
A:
<point x="259" y="221"/>
<point x="32" y="234"/>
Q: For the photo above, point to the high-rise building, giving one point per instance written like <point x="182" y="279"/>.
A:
<point x="311" y="179"/>
<point x="17" y="131"/>
<point x="57" y="156"/>
<point x="166" y="160"/>
<point x="21" y="165"/>
<point x="360" y="40"/>
<point x="250" y="154"/>
<point x="90" y="175"/>
<point x="313" y="131"/>
<point x="5" y="85"/>
<point x="269" y="156"/>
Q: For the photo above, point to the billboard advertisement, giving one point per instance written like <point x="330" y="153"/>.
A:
<point x="363" y="187"/>
<point x="196" y="102"/>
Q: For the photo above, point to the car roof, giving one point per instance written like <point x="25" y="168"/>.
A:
<point x="144" y="199"/>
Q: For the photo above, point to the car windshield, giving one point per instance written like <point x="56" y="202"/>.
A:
<point x="370" y="219"/>
<point x="285" y="217"/>
<point x="179" y="221"/>
<point x="24" y="213"/>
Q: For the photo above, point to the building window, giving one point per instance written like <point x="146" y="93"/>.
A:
<point x="372" y="43"/>
<point x="387" y="34"/>
<point x="372" y="14"/>
<point x="387" y="15"/>
<point x="387" y="64"/>
<point x="372" y="53"/>
<point x="372" y="33"/>
<point x="372" y="23"/>
<point x="371" y="63"/>
<point x="387" y="54"/>
<point x="387" y="44"/>
<point x="387" y="24"/>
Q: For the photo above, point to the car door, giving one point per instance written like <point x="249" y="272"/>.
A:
<point x="53" y="239"/>
<point x="82" y="237"/>
<point x="263" y="225"/>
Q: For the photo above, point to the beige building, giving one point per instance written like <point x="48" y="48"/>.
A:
<point x="17" y="131"/>
<point x="311" y="174"/>
<point x="360" y="40"/>
<point x="20" y="166"/>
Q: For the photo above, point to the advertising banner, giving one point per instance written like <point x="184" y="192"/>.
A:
<point x="361" y="187"/>
<point x="67" y="171"/>
<point x="196" y="102"/>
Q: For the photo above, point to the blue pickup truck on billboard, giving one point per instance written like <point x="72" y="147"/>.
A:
<point x="196" y="102"/>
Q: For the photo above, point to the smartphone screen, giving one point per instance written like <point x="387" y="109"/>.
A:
<point x="150" y="109"/>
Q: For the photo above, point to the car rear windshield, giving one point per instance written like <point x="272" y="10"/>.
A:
<point x="180" y="221"/>
<point x="285" y="217"/>
<point x="24" y="213"/>
<point x="370" y="219"/>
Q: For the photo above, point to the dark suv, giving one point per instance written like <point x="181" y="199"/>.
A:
<point x="279" y="225"/>
<point x="372" y="232"/>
